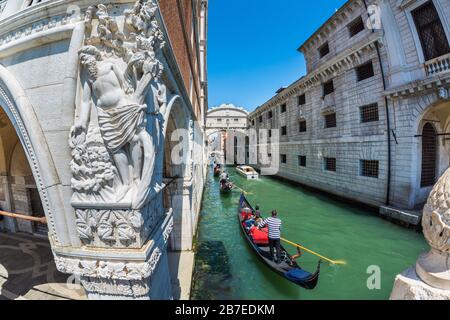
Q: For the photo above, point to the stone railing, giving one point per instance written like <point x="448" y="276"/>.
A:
<point x="438" y="65"/>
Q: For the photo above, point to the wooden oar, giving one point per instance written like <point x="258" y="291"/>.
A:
<point x="341" y="262"/>
<point x="242" y="189"/>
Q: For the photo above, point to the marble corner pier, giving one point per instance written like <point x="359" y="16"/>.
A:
<point x="430" y="278"/>
<point x="94" y="95"/>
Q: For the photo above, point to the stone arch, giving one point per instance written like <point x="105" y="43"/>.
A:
<point x="20" y="112"/>
<point x="435" y="112"/>
<point x="178" y="196"/>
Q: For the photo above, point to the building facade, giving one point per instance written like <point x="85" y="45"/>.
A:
<point x="94" y="96"/>
<point x="370" y="119"/>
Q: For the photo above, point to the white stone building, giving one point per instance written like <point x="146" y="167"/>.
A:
<point x="224" y="124"/>
<point x="370" y="119"/>
<point x="91" y="93"/>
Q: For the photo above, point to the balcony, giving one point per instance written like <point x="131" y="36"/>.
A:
<point x="438" y="65"/>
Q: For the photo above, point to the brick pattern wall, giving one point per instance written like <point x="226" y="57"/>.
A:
<point x="178" y="18"/>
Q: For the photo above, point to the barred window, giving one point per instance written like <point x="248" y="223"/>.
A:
<point x="283" y="108"/>
<point x="431" y="32"/>
<point x="283" y="158"/>
<point x="302" y="100"/>
<point x="429" y="155"/>
<point x="328" y="87"/>
<point x="330" y="164"/>
<point x="260" y="119"/>
<point x="369" y="168"/>
<point x="270" y="115"/>
<point x="324" y="50"/>
<point x="330" y="120"/>
<point x="283" y="130"/>
<point x="302" y="126"/>
<point x="365" y="71"/>
<point x="356" y="26"/>
<point x="369" y="113"/>
<point x="302" y="161"/>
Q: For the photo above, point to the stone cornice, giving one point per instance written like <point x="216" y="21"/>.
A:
<point x="331" y="24"/>
<point x="344" y="61"/>
<point x="420" y="86"/>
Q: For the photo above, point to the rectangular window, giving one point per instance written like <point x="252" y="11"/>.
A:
<point x="260" y="119"/>
<point x="369" y="168"/>
<point x="253" y="122"/>
<point x="328" y="87"/>
<point x="330" y="120"/>
<point x="283" y="108"/>
<point x="302" y="100"/>
<point x="369" y="113"/>
<point x="302" y="126"/>
<point x="324" y="50"/>
<point x="283" y="158"/>
<point x="431" y="32"/>
<point x="302" y="161"/>
<point x="236" y="120"/>
<point x="365" y="71"/>
<point x="270" y="133"/>
<point x="270" y="115"/>
<point x="330" y="164"/>
<point x="283" y="130"/>
<point x="355" y="27"/>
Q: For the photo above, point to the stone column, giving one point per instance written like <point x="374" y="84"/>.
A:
<point x="430" y="279"/>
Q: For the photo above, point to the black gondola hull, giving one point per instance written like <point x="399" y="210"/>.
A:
<point x="288" y="269"/>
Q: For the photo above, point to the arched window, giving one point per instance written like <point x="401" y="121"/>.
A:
<point x="429" y="155"/>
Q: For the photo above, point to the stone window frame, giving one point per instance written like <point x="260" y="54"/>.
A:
<point x="302" y="161"/>
<point x="327" y="123"/>
<point x="284" y="131"/>
<point x="283" y="158"/>
<point x="302" y="126"/>
<point x="301" y="99"/>
<point x="408" y="8"/>
<point x="368" y="167"/>
<point x="321" y="48"/>
<point x="283" y="108"/>
<point x="355" y="22"/>
<point x="330" y="164"/>
<point x="364" y="76"/>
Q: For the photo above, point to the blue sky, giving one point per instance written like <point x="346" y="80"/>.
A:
<point x="252" y="46"/>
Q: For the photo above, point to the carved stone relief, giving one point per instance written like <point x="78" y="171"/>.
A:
<point x="117" y="135"/>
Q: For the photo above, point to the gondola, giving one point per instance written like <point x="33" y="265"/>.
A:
<point x="288" y="268"/>
<point x="226" y="188"/>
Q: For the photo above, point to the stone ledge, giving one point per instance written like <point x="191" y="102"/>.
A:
<point x="408" y="286"/>
<point x="411" y="217"/>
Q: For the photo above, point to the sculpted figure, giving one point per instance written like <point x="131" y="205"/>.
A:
<point x="122" y="123"/>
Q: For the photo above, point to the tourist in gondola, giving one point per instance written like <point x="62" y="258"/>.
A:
<point x="274" y="225"/>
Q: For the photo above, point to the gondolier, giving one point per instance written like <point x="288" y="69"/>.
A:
<point x="259" y="242"/>
<point x="274" y="224"/>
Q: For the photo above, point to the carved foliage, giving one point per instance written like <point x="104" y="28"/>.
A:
<point x="109" y="225"/>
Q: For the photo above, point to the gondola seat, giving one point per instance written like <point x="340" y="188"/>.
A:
<point x="260" y="237"/>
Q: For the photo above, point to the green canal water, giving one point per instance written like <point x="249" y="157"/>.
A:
<point x="226" y="268"/>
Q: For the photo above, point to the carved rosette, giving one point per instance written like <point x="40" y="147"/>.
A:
<point x="436" y="215"/>
<point x="433" y="267"/>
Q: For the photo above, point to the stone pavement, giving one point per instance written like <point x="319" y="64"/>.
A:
<point x="28" y="272"/>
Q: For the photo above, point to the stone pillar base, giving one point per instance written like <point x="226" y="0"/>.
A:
<point x="408" y="286"/>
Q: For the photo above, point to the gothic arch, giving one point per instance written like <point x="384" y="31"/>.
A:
<point x="16" y="105"/>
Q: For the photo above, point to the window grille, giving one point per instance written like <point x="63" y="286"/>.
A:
<point x="330" y="120"/>
<point x="330" y="164"/>
<point x="369" y="113"/>
<point x="431" y="32"/>
<point x="369" y="168"/>
<point x="365" y="71"/>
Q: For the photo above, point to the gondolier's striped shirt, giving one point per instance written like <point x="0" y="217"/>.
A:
<point x="274" y="225"/>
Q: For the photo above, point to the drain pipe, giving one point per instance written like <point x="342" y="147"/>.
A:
<point x="388" y="122"/>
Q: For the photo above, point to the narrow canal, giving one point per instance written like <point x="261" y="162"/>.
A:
<point x="226" y="268"/>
